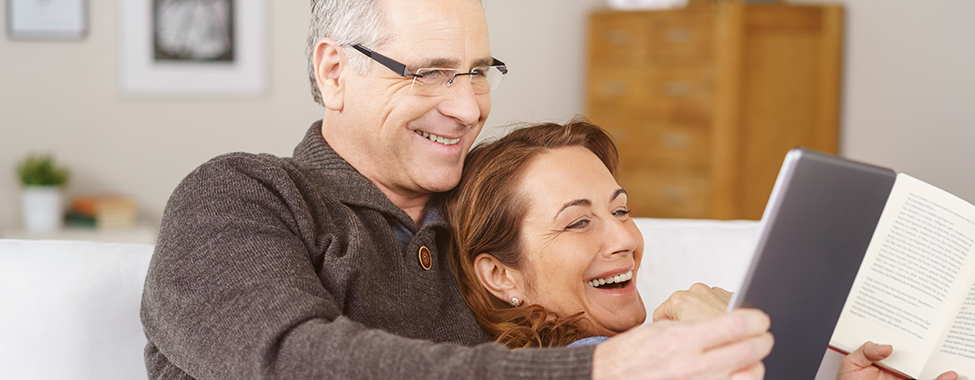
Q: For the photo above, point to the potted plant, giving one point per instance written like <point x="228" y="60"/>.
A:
<point x="42" y="198"/>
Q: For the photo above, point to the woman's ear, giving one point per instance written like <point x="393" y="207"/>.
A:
<point x="330" y="65"/>
<point x="501" y="280"/>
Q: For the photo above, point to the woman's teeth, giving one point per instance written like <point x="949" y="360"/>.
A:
<point x="438" y="139"/>
<point x="597" y="282"/>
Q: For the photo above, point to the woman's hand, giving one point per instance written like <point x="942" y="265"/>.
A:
<point x="858" y="365"/>
<point x="700" y="302"/>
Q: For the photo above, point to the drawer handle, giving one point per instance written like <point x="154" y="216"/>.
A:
<point x="677" y="89"/>
<point x="675" y="141"/>
<point x="678" y="35"/>
<point x="673" y="194"/>
<point x="618" y="37"/>
<point x="614" y="88"/>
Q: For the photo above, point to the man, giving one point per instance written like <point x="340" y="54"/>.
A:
<point x="332" y="264"/>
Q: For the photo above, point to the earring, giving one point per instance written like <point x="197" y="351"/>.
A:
<point x="515" y="302"/>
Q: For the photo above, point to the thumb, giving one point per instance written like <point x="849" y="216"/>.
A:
<point x="867" y="354"/>
<point x="876" y="352"/>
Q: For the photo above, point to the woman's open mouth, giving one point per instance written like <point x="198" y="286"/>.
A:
<point x="612" y="282"/>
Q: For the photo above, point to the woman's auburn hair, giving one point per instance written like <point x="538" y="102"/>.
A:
<point x="486" y="213"/>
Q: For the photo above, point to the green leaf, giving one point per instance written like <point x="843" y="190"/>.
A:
<point x="40" y="170"/>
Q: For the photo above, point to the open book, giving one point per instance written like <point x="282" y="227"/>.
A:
<point x="916" y="285"/>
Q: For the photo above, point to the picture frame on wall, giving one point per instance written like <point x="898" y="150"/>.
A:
<point x="192" y="48"/>
<point x="47" y="19"/>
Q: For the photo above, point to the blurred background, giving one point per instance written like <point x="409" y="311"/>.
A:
<point x="907" y="96"/>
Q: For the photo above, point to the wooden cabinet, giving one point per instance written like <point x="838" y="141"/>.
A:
<point x="705" y="101"/>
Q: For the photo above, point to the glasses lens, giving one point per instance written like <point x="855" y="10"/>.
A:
<point x="490" y="81"/>
<point x="439" y="81"/>
<point x="433" y="81"/>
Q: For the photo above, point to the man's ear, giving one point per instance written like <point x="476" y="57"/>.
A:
<point x="330" y="66"/>
<point x="502" y="281"/>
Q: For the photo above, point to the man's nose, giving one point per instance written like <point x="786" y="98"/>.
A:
<point x="460" y="102"/>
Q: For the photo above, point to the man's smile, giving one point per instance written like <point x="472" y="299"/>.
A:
<point x="438" y="139"/>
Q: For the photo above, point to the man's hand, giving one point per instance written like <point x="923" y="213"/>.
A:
<point x="731" y="345"/>
<point x="859" y="364"/>
<point x="698" y="303"/>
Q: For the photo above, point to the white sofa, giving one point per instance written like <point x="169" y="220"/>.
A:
<point x="70" y="310"/>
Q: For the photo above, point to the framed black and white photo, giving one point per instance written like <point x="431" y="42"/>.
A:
<point x="47" y="19"/>
<point x="192" y="48"/>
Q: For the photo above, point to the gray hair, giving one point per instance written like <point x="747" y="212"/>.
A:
<point x="348" y="22"/>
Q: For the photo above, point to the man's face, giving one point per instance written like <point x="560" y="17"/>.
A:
<point x="414" y="144"/>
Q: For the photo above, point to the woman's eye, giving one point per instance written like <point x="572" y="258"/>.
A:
<point x="579" y="224"/>
<point x="621" y="212"/>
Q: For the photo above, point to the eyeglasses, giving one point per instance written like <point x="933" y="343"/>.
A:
<point x="438" y="81"/>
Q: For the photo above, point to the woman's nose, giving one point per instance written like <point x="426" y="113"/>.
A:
<point x="620" y="239"/>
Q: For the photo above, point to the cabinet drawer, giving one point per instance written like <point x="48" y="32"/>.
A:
<point x="646" y="139"/>
<point x="687" y="91"/>
<point x="618" y="39"/>
<point x="662" y="193"/>
<point x="672" y="145"/>
<point x="620" y="87"/>
<point x="683" y="95"/>
<point x="681" y="37"/>
<point x="680" y="81"/>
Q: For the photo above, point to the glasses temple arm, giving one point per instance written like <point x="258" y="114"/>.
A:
<point x="397" y="67"/>
<point x="500" y="65"/>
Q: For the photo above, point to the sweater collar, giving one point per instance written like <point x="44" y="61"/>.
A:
<point x="348" y="185"/>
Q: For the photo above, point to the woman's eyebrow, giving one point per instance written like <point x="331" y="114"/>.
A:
<point x="617" y="193"/>
<point x="578" y="202"/>
<point x="586" y="203"/>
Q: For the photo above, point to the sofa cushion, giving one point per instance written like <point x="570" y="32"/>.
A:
<point x="680" y="252"/>
<point x="70" y="310"/>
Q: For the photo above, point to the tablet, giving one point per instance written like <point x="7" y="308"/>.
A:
<point x="812" y="237"/>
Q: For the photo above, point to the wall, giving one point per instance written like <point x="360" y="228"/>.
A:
<point x="544" y="45"/>
<point x="909" y="89"/>
<point x="63" y="98"/>
<point x="908" y="95"/>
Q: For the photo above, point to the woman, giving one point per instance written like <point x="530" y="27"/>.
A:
<point x="567" y="272"/>
<point x="545" y="251"/>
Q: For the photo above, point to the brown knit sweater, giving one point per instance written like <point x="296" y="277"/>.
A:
<point x="287" y="268"/>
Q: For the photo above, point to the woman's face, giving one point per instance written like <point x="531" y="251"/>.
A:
<point x="581" y="248"/>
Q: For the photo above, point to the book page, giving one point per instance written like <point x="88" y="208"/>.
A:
<point x="955" y="350"/>
<point x="916" y="266"/>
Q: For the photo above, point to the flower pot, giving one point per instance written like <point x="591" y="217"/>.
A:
<point x="42" y="208"/>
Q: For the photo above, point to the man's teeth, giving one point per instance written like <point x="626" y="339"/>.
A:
<point x="438" y="139"/>
<point x="596" y="282"/>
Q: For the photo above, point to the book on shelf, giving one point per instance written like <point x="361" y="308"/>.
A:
<point x="103" y="211"/>
<point x="915" y="288"/>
